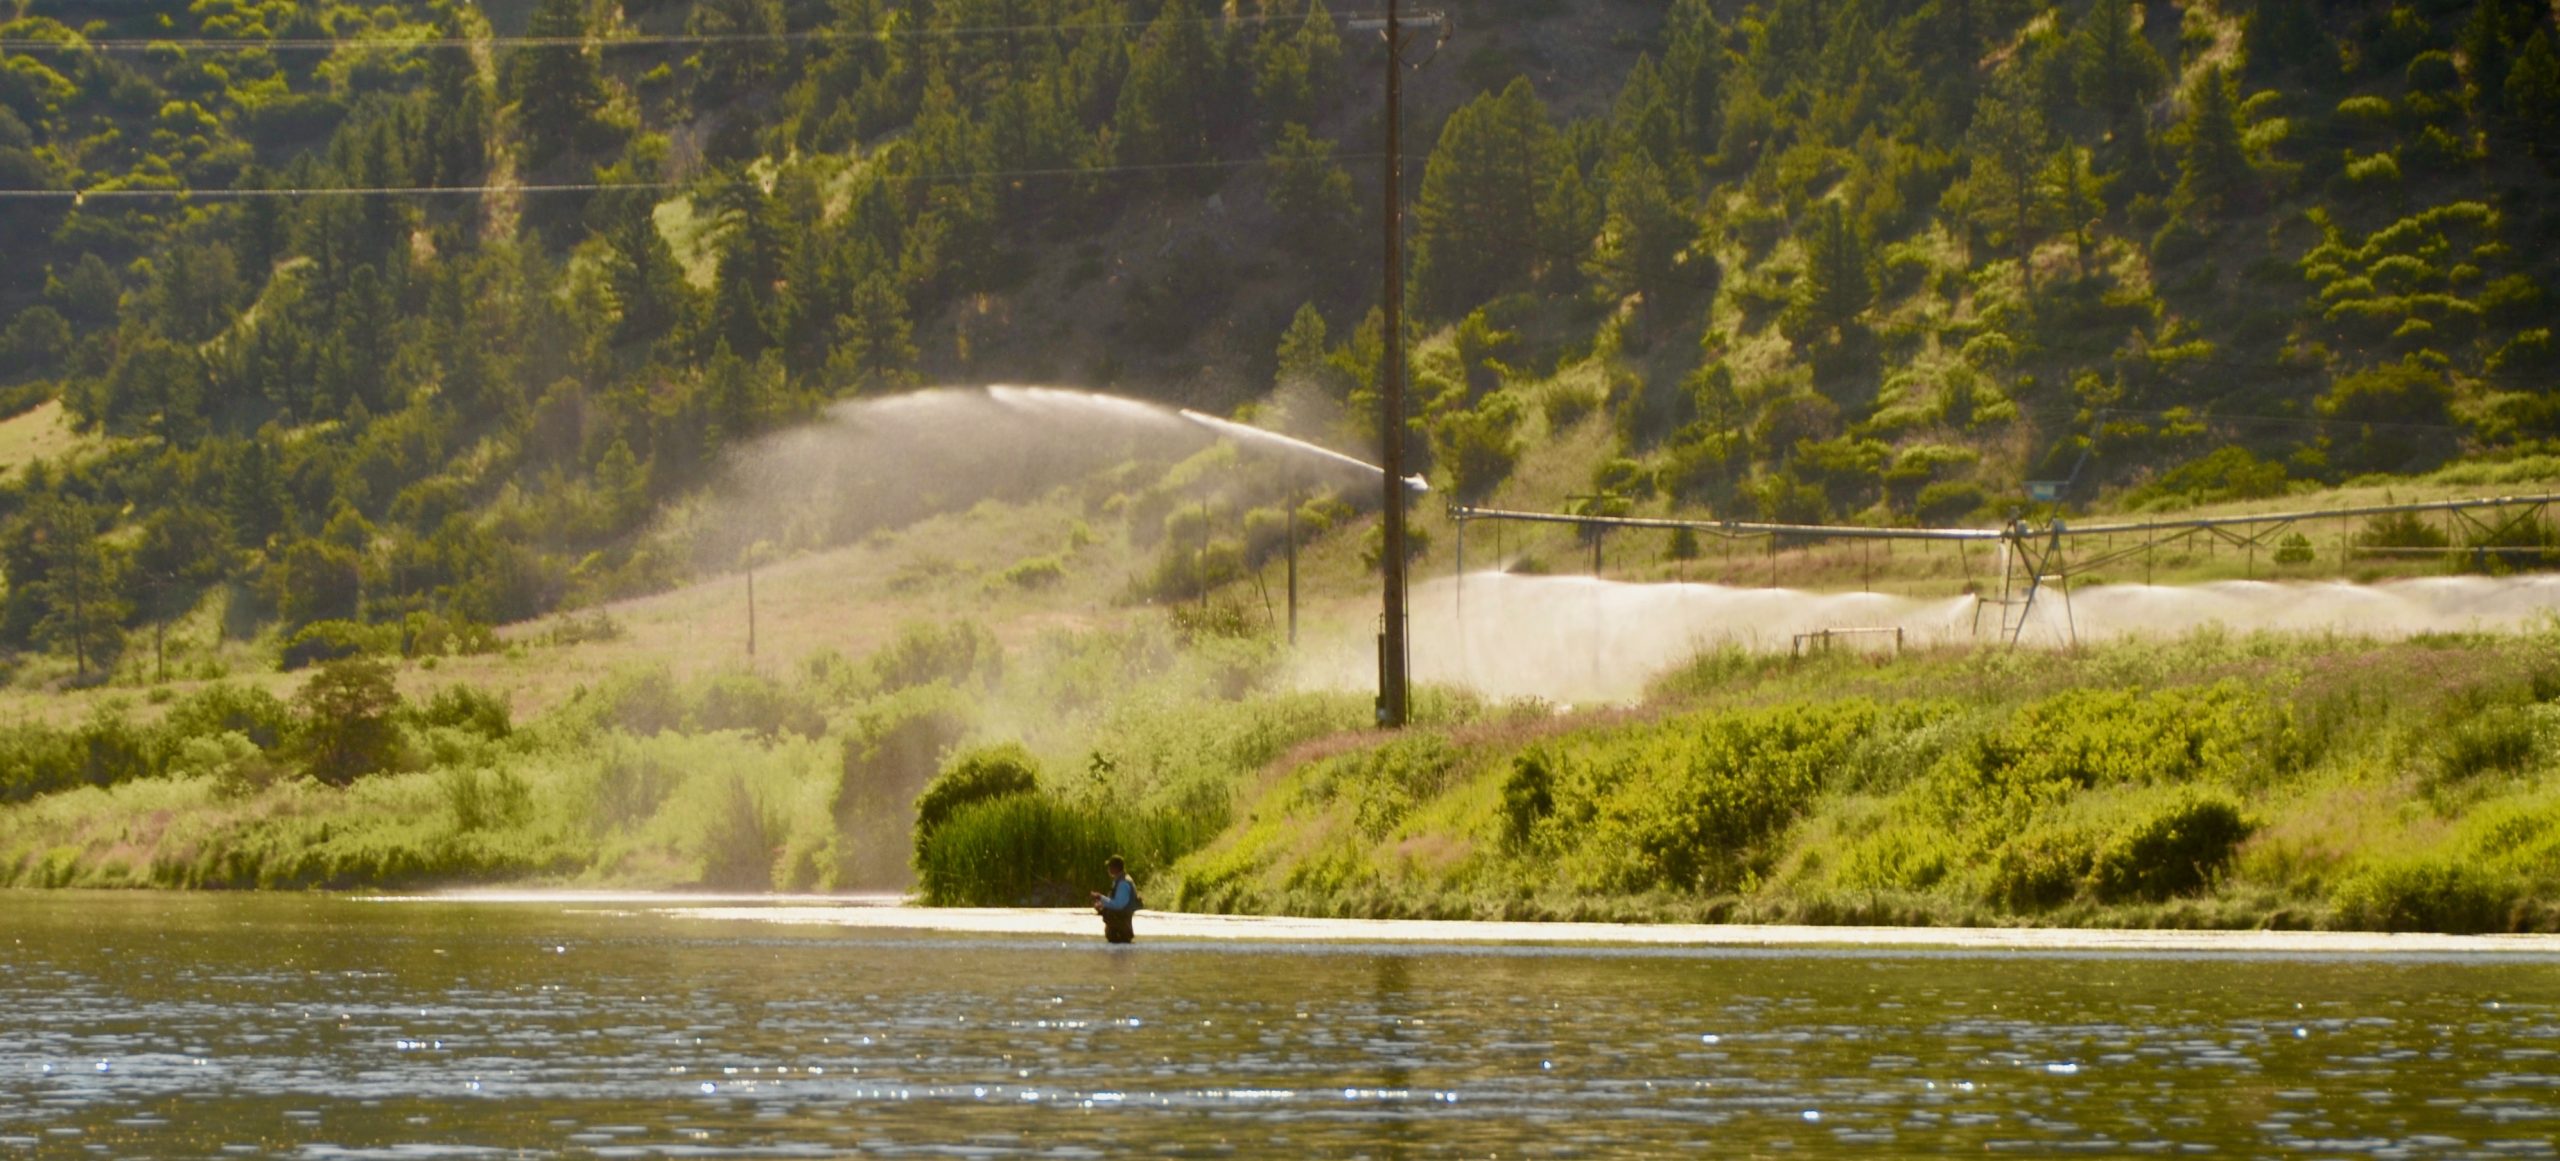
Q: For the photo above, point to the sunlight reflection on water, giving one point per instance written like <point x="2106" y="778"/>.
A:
<point x="292" y="1024"/>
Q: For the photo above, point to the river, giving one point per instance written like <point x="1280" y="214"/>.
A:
<point x="328" y="1026"/>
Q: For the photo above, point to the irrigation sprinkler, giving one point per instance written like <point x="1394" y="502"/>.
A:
<point x="2035" y="557"/>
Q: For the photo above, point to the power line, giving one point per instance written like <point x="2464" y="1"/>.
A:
<point x="636" y="40"/>
<point x="77" y="196"/>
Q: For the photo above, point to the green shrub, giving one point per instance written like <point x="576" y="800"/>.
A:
<point x="1689" y="807"/>
<point x="758" y="705"/>
<point x="1219" y="620"/>
<point x="740" y="839"/>
<point x="2497" y="740"/>
<point x="1478" y="445"/>
<point x="2426" y="895"/>
<point x="1948" y="501"/>
<point x="641" y="702"/>
<point x="2086" y="738"/>
<point x="1031" y="849"/>
<point x="1899" y="858"/>
<point x="628" y="788"/>
<point x="1266" y="535"/>
<point x="484" y="799"/>
<point x="1187" y="569"/>
<point x="2039" y="870"/>
<point x="2176" y="849"/>
<point x="1039" y="572"/>
<point x="36" y="760"/>
<point x="980" y="775"/>
<point x="1528" y="797"/>
<point x="924" y="651"/>
<point x="895" y="746"/>
<point x="235" y="766"/>
<point x="1382" y="784"/>
<point x="335" y="640"/>
<point x="470" y="708"/>
<point x="346" y="711"/>
<point x="2400" y="530"/>
<point x="223" y="707"/>
<point x="1566" y="403"/>
<point x="2373" y="169"/>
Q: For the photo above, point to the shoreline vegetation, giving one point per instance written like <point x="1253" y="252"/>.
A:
<point x="2208" y="781"/>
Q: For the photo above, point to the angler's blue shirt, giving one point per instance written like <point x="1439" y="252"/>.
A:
<point x="1124" y="895"/>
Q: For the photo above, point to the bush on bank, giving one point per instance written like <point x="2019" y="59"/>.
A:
<point x="2209" y="781"/>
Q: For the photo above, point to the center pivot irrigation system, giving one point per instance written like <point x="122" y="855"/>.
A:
<point x="2034" y="557"/>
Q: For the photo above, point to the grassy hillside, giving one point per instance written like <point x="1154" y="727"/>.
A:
<point x="394" y="520"/>
<point x="1878" y="263"/>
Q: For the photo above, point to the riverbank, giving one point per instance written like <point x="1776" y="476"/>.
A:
<point x="1079" y="924"/>
<point x="2212" y="781"/>
<point x="2208" y="782"/>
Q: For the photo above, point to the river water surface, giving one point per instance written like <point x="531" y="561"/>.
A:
<point x="164" y="1025"/>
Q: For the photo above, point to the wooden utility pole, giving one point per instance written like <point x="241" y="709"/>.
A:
<point x="1394" y="689"/>
<point x="1289" y="526"/>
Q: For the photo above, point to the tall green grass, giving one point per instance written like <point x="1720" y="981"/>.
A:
<point x="1032" y="850"/>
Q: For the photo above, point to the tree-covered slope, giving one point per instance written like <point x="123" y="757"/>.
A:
<point x="458" y="300"/>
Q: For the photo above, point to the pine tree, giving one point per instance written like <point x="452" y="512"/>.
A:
<point x="558" y="88"/>
<point x="2285" y="35"/>
<point x="1647" y="121"/>
<point x="2075" y="199"/>
<point x="2533" y="91"/>
<point x="1303" y="360"/>
<point x="875" y="346"/>
<point x="254" y="499"/>
<point x="261" y="232"/>
<point x="2117" y="70"/>
<point x="1321" y="45"/>
<point x="1283" y="88"/>
<point x="747" y="310"/>
<point x="1693" y="70"/>
<point x="1644" y="235"/>
<point x="624" y="485"/>
<point x="2006" y="145"/>
<point x="1163" y="118"/>
<point x="736" y="60"/>
<point x="1480" y="195"/>
<point x="66" y="586"/>
<point x="195" y="291"/>
<point x="1837" y="285"/>
<point x="1310" y="193"/>
<point x="1946" y="56"/>
<point x="2497" y="30"/>
<point x="1030" y="129"/>
<point x="648" y="284"/>
<point x="1570" y="217"/>
<point x="2213" y="167"/>
<point x="455" y="143"/>
<point x="949" y="239"/>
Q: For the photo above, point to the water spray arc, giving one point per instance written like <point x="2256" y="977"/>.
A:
<point x="866" y="465"/>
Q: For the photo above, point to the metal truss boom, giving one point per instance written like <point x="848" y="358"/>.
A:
<point x="2038" y="554"/>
